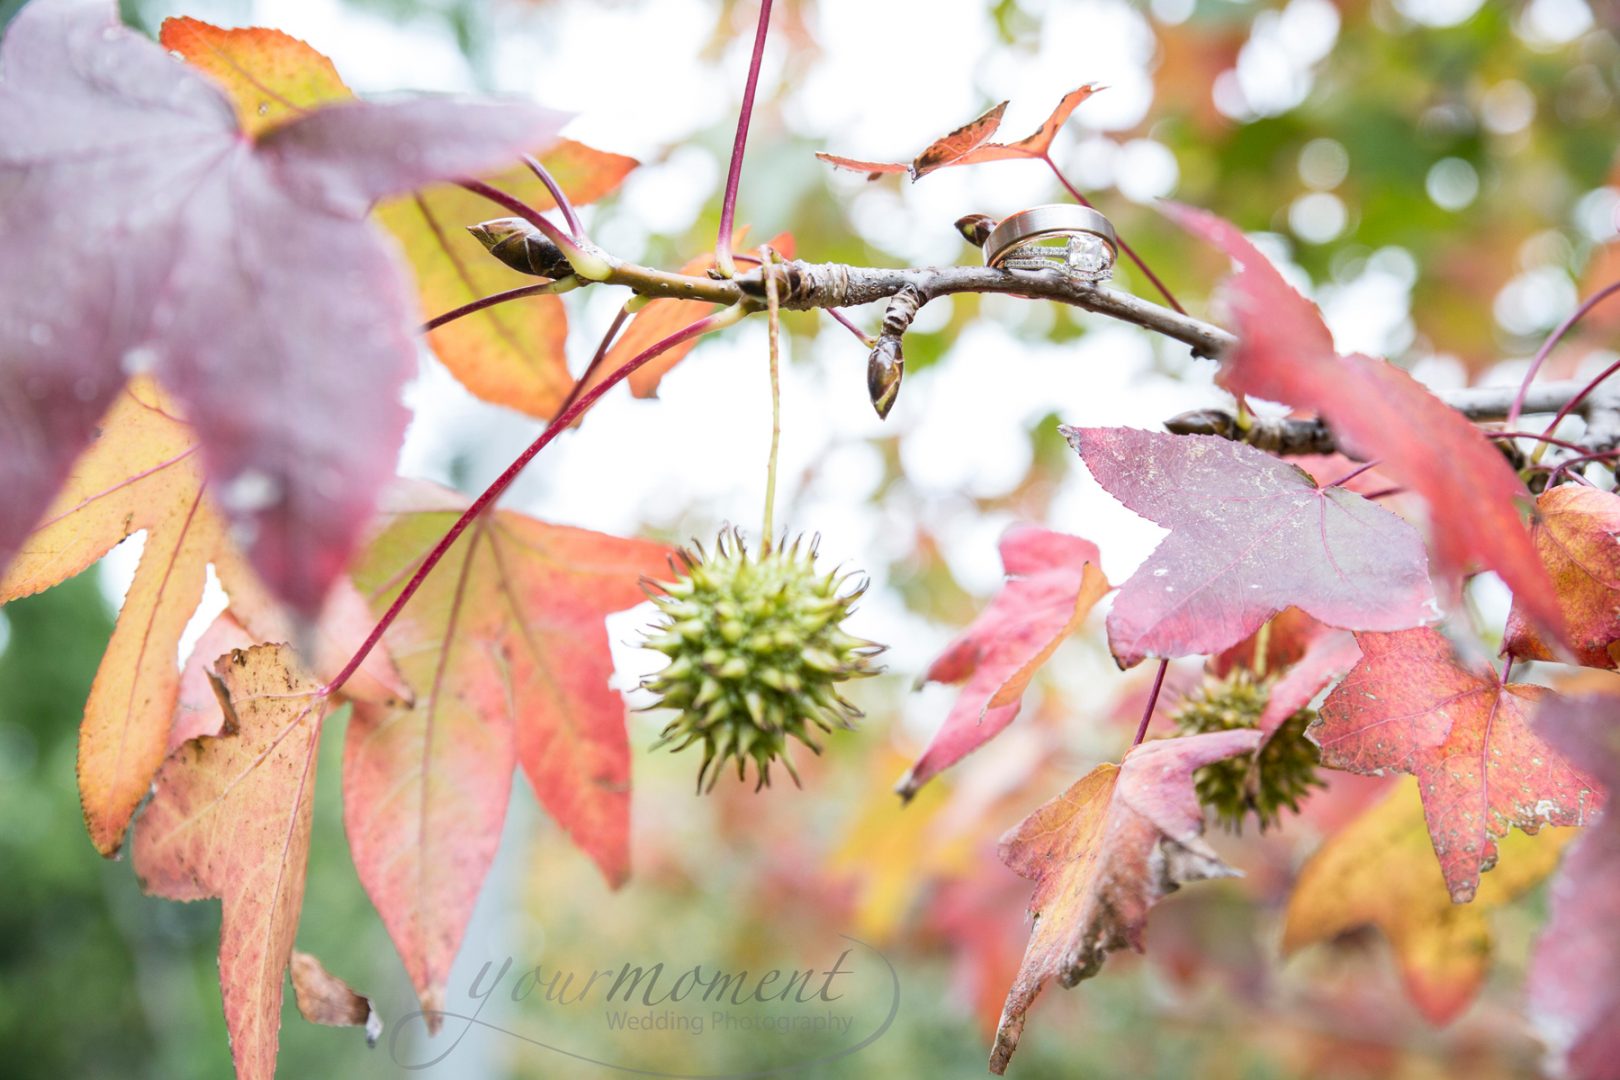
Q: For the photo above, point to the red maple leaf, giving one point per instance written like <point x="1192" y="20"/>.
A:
<point x="1101" y="855"/>
<point x="1250" y="535"/>
<point x="146" y="229"/>
<point x="1574" y="995"/>
<point x="1053" y="581"/>
<point x="1409" y="706"/>
<point x="1378" y="412"/>
<point x="506" y="650"/>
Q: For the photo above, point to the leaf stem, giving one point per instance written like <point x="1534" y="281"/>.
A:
<point x="551" y="288"/>
<point x="1353" y="473"/>
<point x="1130" y="253"/>
<point x="1547" y="346"/>
<point x="728" y="205"/>
<point x="768" y="270"/>
<point x="559" y="423"/>
<point x="1569" y="406"/>
<point x="1152" y="701"/>
<point x="558" y="196"/>
<point x="602" y="348"/>
<point x="843" y="320"/>
<point x="1539" y="436"/>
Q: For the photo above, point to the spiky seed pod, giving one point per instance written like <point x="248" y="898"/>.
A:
<point x="1281" y="774"/>
<point x="756" y="651"/>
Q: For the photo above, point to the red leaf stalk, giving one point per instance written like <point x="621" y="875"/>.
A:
<point x="728" y="206"/>
<point x="559" y="424"/>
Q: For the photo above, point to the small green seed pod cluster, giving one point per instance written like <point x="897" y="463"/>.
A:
<point x="756" y="651"/>
<point x="1284" y="771"/>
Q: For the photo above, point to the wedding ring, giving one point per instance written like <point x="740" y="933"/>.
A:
<point x="1074" y="240"/>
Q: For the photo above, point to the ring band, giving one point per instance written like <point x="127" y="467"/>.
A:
<point x="1017" y="243"/>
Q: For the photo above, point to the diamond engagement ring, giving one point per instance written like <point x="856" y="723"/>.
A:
<point x="1074" y="240"/>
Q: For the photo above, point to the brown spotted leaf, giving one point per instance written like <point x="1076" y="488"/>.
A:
<point x="1409" y="706"/>
<point x="323" y="998"/>
<point x="230" y="818"/>
<point x="1101" y="855"/>
<point x="1039" y="142"/>
<point x="943" y="151"/>
<point x="143" y="473"/>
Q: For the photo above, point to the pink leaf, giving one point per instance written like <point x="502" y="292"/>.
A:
<point x="1053" y="581"/>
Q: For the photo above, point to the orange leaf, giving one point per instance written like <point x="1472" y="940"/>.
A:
<point x="1575" y="533"/>
<point x="507" y="651"/>
<point x="511" y="354"/>
<point x="1380" y="871"/>
<point x="1037" y="143"/>
<point x="230" y="818"/>
<point x="1101" y="855"/>
<point x="270" y="77"/>
<point x="143" y="473"/>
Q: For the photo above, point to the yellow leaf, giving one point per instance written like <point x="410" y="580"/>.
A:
<point x="1381" y="871"/>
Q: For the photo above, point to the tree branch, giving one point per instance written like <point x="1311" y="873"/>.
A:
<point x="804" y="286"/>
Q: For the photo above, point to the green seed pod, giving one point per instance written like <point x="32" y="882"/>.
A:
<point x="1282" y="773"/>
<point x="756" y="649"/>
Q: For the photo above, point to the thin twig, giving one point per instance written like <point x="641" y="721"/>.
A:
<point x="548" y="288"/>
<point x="558" y="196"/>
<point x="1153" y="700"/>
<point x="1581" y="395"/>
<point x="597" y="357"/>
<point x="843" y="320"/>
<point x="728" y="206"/>
<point x="774" y="333"/>
<point x="1553" y="339"/>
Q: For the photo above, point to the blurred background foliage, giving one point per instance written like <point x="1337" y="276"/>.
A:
<point x="1440" y="174"/>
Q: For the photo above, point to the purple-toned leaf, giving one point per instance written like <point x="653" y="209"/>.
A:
<point x="145" y="230"/>
<point x="1249" y="536"/>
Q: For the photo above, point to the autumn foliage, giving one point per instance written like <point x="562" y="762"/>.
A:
<point x="229" y="385"/>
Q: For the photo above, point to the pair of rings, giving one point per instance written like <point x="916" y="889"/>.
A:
<point x="1076" y="241"/>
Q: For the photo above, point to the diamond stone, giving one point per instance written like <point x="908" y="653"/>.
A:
<point x="1089" y="257"/>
